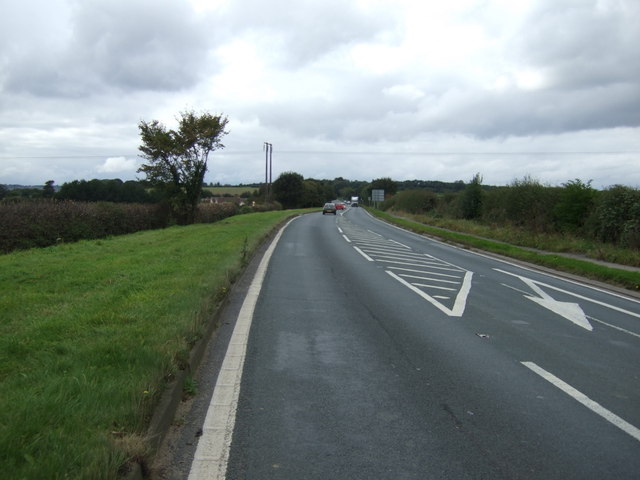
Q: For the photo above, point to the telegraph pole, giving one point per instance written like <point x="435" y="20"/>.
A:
<point x="270" y="170"/>
<point x="268" y="149"/>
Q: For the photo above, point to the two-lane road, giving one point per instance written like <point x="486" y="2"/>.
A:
<point x="377" y="353"/>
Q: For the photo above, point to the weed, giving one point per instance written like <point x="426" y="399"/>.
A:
<point x="190" y="387"/>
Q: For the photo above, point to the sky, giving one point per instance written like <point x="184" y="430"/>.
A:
<point x="358" y="89"/>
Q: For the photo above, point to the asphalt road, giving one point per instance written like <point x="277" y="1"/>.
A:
<point x="374" y="353"/>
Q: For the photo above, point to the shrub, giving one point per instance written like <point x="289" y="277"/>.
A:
<point x="574" y="205"/>
<point x="41" y="223"/>
<point x="213" y="212"/>
<point x="414" y="201"/>
<point x="529" y="204"/>
<point x="616" y="217"/>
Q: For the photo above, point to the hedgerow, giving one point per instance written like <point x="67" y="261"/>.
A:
<point x="45" y="222"/>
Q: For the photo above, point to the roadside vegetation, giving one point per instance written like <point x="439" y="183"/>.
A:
<point x="91" y="332"/>
<point x="94" y="323"/>
<point x="559" y="227"/>
<point x="471" y="235"/>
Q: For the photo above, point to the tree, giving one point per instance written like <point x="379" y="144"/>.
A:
<point x="389" y="186"/>
<point x="288" y="189"/>
<point x="471" y="199"/>
<point x="177" y="159"/>
<point x="48" y="190"/>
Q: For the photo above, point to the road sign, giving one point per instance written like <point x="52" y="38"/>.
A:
<point x="377" y="195"/>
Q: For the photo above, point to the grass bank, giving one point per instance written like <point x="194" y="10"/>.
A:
<point x="615" y="276"/>
<point x="90" y="331"/>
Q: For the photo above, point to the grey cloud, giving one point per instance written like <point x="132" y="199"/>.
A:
<point x="305" y="30"/>
<point x="143" y="45"/>
<point x="582" y="44"/>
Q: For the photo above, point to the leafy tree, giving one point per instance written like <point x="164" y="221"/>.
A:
<point x="96" y="190"/>
<point x="48" y="190"/>
<point x="288" y="189"/>
<point x="3" y="191"/>
<point x="177" y="159"/>
<point x="314" y="195"/>
<point x="471" y="199"/>
<point x="389" y="186"/>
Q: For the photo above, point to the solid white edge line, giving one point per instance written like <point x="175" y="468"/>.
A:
<point x="212" y="453"/>
<point x="584" y="400"/>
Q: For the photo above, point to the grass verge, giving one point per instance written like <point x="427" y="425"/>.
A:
<point x="615" y="276"/>
<point x="91" y="331"/>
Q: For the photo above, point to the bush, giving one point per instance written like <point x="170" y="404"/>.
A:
<point x="574" y="206"/>
<point x="214" y="212"/>
<point x="616" y="217"/>
<point x="414" y="201"/>
<point x="529" y="204"/>
<point x="41" y="223"/>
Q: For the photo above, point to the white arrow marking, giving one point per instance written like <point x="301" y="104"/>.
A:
<point x="568" y="310"/>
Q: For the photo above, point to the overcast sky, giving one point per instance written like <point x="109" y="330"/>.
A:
<point x="360" y="89"/>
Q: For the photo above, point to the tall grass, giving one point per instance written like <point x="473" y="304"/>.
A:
<point x="90" y="331"/>
<point x="552" y="242"/>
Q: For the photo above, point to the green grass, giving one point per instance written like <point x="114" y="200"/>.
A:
<point x="90" y="331"/>
<point x="615" y="276"/>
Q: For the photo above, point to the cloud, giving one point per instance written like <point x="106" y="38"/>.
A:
<point x="117" y="165"/>
<point x="104" y="46"/>
<point x="352" y="88"/>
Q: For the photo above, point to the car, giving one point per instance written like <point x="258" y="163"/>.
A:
<point x="354" y="204"/>
<point x="339" y="206"/>
<point x="329" y="208"/>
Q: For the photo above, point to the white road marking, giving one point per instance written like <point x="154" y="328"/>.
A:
<point x="417" y="266"/>
<point x="613" y="326"/>
<point x="401" y="244"/>
<point x="586" y="401"/>
<point x="413" y="264"/>
<point x="422" y="271"/>
<point x="419" y="277"/>
<point x="212" y="454"/>
<point x="436" y="287"/>
<point x="570" y="311"/>
<point x="364" y="254"/>
<point x="461" y="298"/>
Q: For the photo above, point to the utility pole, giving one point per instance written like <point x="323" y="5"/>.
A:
<point x="270" y="171"/>
<point x="268" y="149"/>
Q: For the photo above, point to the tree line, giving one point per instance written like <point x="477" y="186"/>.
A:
<point x="176" y="163"/>
<point x="575" y="208"/>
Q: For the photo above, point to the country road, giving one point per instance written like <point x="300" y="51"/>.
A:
<point x="373" y="353"/>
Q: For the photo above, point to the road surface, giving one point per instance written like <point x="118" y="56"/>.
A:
<point x="373" y="353"/>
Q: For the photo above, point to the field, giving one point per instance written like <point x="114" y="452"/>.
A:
<point x="222" y="191"/>
<point x="90" y="331"/>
